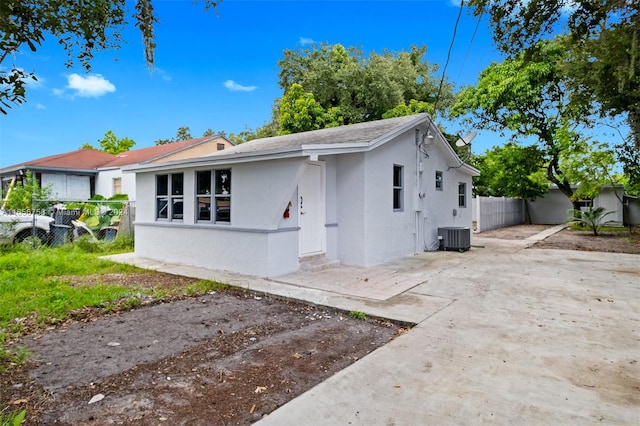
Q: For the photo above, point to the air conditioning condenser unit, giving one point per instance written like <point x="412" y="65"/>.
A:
<point x="454" y="238"/>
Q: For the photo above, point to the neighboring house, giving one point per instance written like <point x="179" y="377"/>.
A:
<point x="71" y="175"/>
<point x="81" y="174"/>
<point x="360" y="194"/>
<point x="111" y="180"/>
<point x="553" y="207"/>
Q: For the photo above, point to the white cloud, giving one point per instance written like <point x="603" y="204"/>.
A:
<point x="305" y="41"/>
<point x="235" y="87"/>
<point x="91" y="86"/>
<point x="40" y="106"/>
<point x="162" y="74"/>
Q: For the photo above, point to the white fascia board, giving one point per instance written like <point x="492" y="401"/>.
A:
<point x="470" y="170"/>
<point x="214" y="160"/>
<point x="454" y="155"/>
<point x="333" y="148"/>
<point x="400" y="130"/>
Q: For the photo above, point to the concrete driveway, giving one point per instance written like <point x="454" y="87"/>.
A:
<point x="509" y="335"/>
<point x="505" y="335"/>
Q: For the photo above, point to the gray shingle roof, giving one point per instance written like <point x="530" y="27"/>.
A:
<point x="361" y="133"/>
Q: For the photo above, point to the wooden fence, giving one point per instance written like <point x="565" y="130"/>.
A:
<point x="497" y="212"/>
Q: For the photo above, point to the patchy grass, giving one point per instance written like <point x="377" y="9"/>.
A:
<point x="578" y="227"/>
<point x="47" y="285"/>
<point x="30" y="283"/>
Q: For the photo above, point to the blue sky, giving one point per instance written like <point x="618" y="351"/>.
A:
<point x="220" y="72"/>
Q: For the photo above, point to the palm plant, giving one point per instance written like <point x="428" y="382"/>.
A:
<point x="591" y="218"/>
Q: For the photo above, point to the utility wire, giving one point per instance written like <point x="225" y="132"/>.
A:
<point x="444" y="70"/>
<point x="473" y="36"/>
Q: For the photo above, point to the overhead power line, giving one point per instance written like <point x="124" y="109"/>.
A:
<point x="444" y="70"/>
<point x="473" y="36"/>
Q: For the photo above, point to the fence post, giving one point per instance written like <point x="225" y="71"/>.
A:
<point x="478" y="214"/>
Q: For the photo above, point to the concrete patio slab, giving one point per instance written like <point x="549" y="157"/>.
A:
<point x="378" y="283"/>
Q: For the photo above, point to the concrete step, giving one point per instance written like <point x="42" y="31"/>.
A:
<point x="317" y="263"/>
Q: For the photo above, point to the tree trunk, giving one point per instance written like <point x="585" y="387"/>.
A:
<point x="554" y="176"/>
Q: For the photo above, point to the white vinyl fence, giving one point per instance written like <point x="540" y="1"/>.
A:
<point x="497" y="212"/>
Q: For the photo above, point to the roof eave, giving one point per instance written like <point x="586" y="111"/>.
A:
<point x="48" y="169"/>
<point x="396" y="131"/>
<point x="184" y="148"/>
<point x="215" y="160"/>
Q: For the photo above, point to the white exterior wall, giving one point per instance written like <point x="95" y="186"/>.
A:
<point x="552" y="208"/>
<point x="260" y="192"/>
<point x="610" y="202"/>
<point x="263" y="254"/>
<point x="369" y="231"/>
<point x="331" y="215"/>
<point x="440" y="208"/>
<point x="104" y="183"/>
<point x="389" y="234"/>
<point x="350" y="208"/>
<point x="633" y="211"/>
<point x="259" y="241"/>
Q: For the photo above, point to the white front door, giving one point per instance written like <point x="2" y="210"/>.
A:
<point x="311" y="210"/>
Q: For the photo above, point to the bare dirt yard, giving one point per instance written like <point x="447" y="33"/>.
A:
<point x="228" y="357"/>
<point x="613" y="242"/>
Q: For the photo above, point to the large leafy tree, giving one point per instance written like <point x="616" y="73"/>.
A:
<point x="81" y="28"/>
<point x="603" y="41"/>
<point x="528" y="96"/>
<point x="590" y="165"/>
<point x="510" y="171"/>
<point x="111" y="144"/>
<point x="352" y="88"/>
<point x="300" y="112"/>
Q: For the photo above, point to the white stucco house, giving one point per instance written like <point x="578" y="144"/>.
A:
<point x="360" y="194"/>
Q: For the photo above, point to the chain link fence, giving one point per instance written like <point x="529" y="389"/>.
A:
<point x="56" y="222"/>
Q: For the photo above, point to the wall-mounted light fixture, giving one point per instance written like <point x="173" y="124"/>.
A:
<point x="427" y="137"/>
